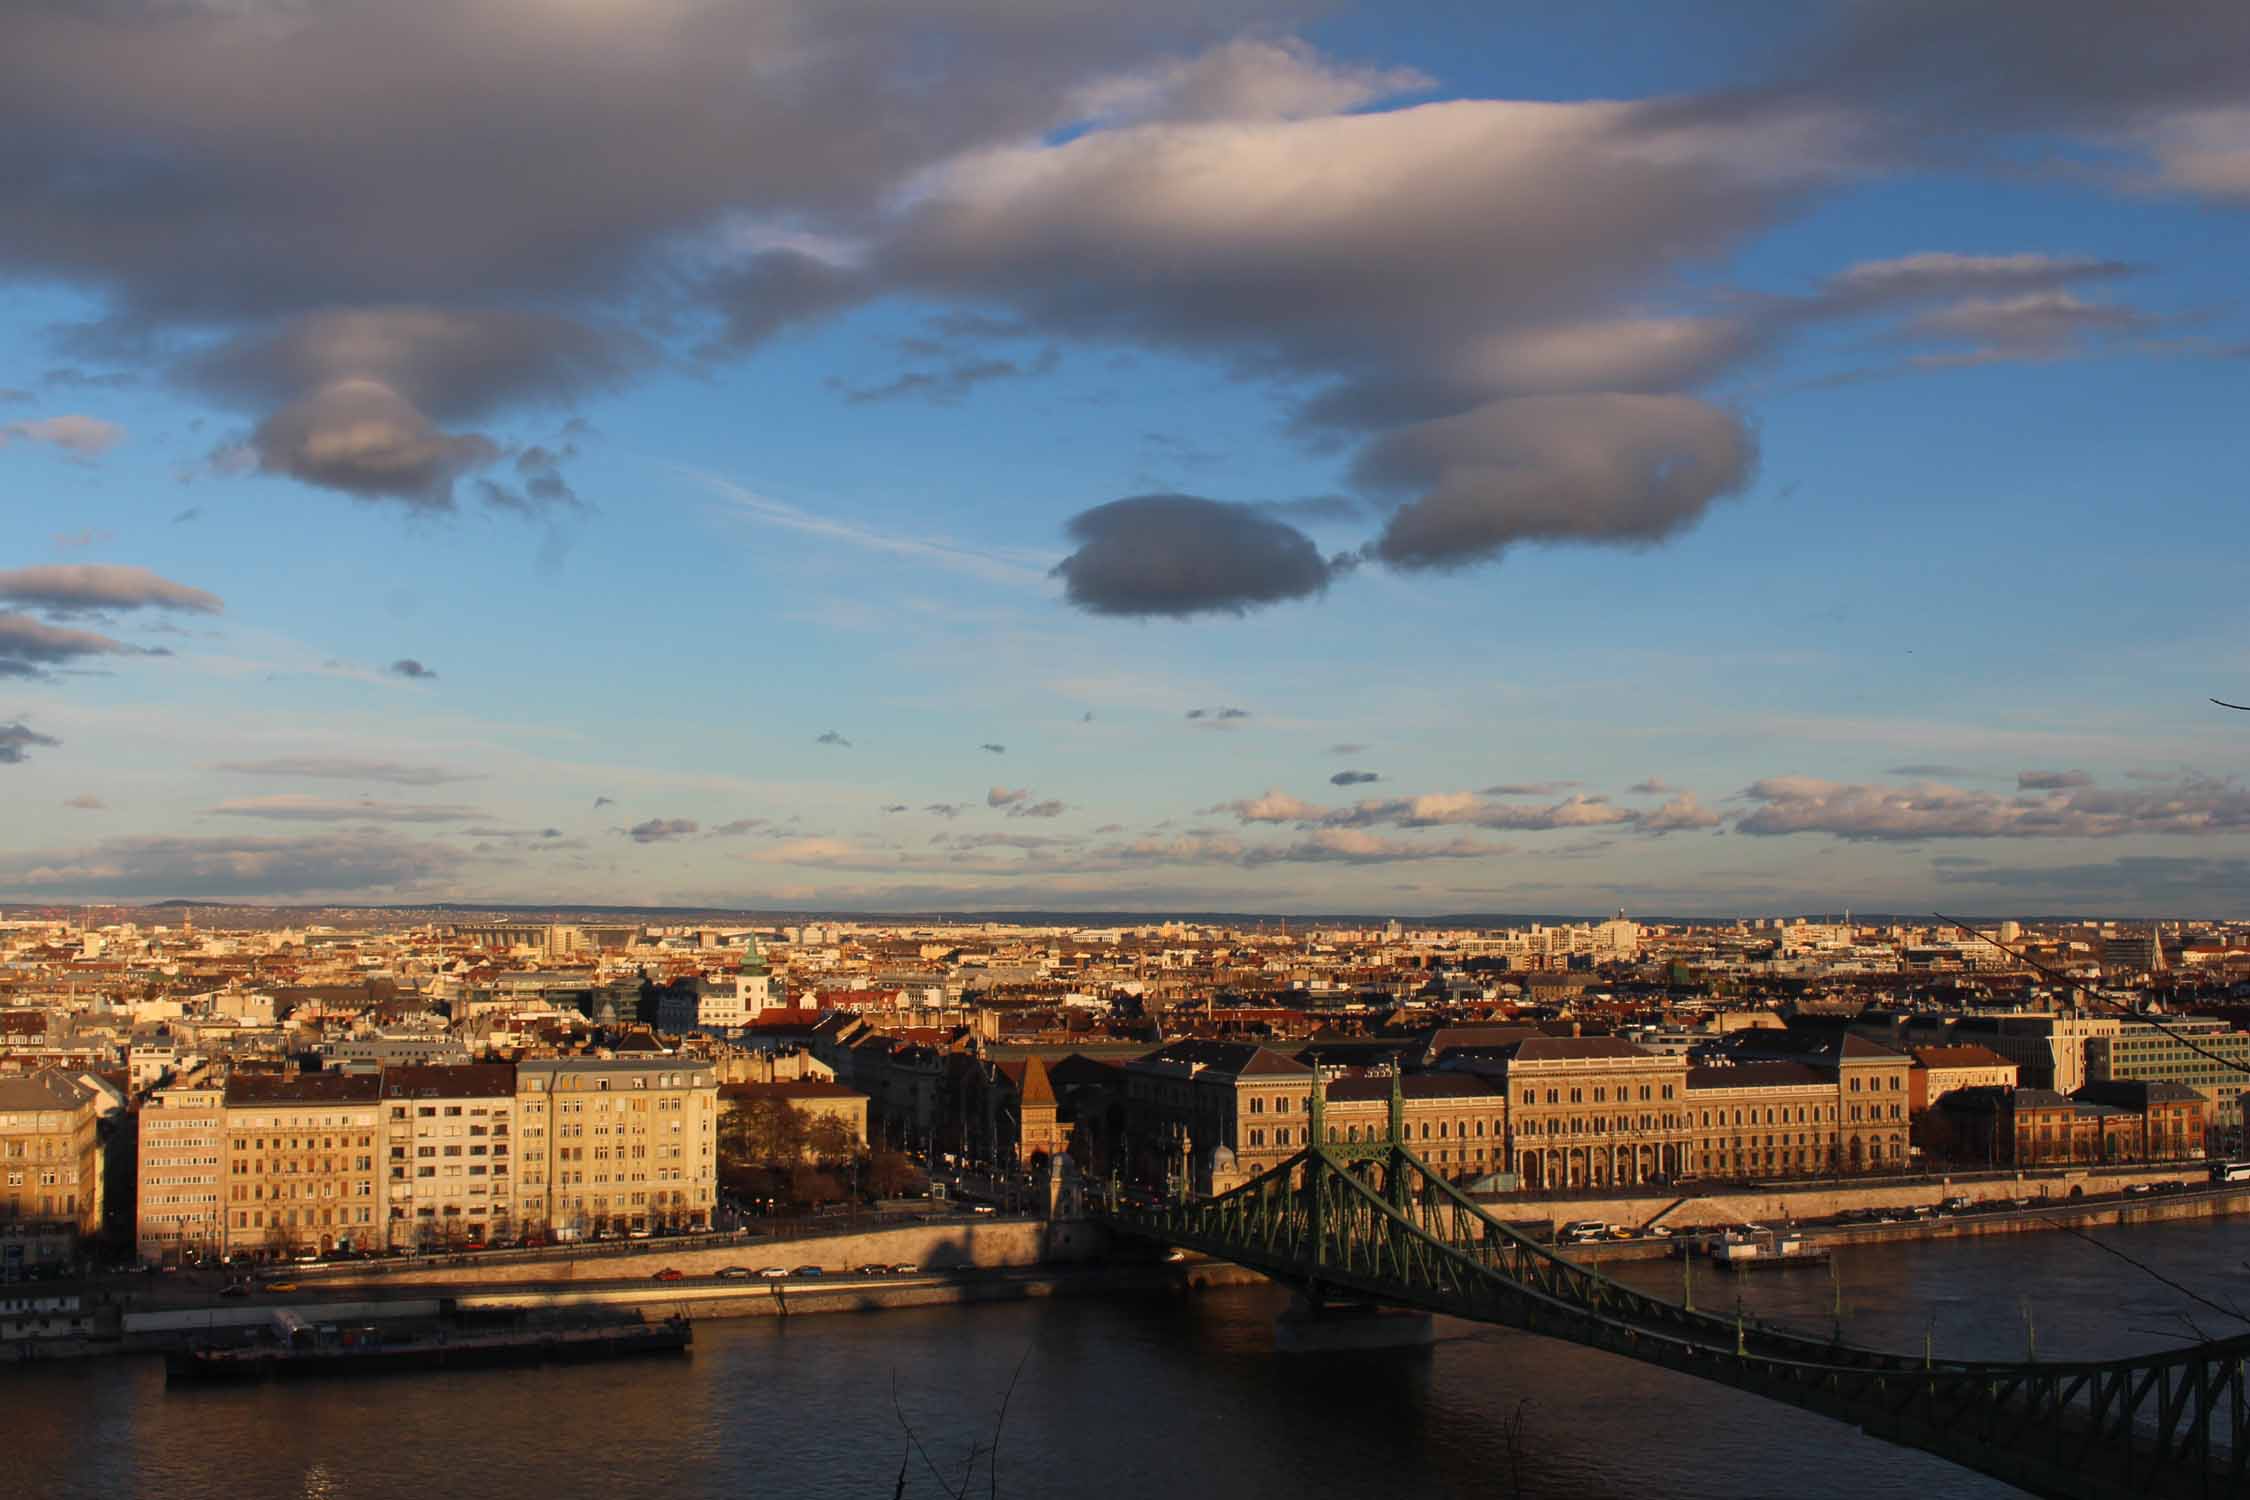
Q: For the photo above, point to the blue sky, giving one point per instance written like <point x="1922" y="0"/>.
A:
<point x="1773" y="460"/>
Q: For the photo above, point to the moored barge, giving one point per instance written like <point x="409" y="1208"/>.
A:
<point x="302" y="1350"/>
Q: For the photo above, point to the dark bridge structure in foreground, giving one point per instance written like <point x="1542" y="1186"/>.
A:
<point x="1369" y="1222"/>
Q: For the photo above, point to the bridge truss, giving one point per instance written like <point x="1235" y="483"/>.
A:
<point x="1371" y="1222"/>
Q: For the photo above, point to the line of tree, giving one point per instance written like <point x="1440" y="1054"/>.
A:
<point x="772" y="1153"/>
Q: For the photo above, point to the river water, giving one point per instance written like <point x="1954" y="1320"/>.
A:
<point x="1143" y="1396"/>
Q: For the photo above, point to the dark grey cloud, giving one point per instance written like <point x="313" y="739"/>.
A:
<point x="1203" y="717"/>
<point x="33" y="648"/>
<point x="1586" y="468"/>
<point x="1353" y="778"/>
<point x="540" y="485"/>
<point x="1655" y="786"/>
<point x="739" y="827"/>
<point x="1929" y="768"/>
<point x="993" y="749"/>
<point x="412" y="670"/>
<point x="17" y="739"/>
<point x="949" y="385"/>
<point x="356" y="400"/>
<point x="831" y="737"/>
<point x="192" y="513"/>
<point x="1182" y="555"/>
<point x="293" y="868"/>
<point x="345" y="768"/>
<point x="602" y="802"/>
<point x="1346" y="748"/>
<point x="1045" y="809"/>
<point x="2051" y="781"/>
<point x="896" y="807"/>
<point x="1968" y="83"/>
<point x="1003" y="796"/>
<point x="64" y="589"/>
<point x="657" y="830"/>
<point x="944" y="809"/>
<point x="1527" y="789"/>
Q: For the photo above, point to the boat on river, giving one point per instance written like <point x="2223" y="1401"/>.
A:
<point x="1769" y="1250"/>
<point x="295" y="1348"/>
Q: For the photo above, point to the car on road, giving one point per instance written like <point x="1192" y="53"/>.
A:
<point x="983" y="1208"/>
<point x="235" y="1289"/>
<point x="2138" y="1187"/>
<point x="736" y="1273"/>
<point x="808" y="1271"/>
<point x="670" y="1273"/>
<point x="872" y="1269"/>
<point x="774" y="1273"/>
<point x="906" y="1268"/>
<point x="281" y="1286"/>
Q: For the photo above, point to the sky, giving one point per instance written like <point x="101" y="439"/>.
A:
<point x="983" y="454"/>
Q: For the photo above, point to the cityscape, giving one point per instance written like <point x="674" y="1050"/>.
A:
<point x="1009" y="747"/>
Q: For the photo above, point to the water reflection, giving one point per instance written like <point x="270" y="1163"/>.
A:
<point x="1129" y="1398"/>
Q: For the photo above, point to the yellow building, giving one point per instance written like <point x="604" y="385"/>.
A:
<point x="1456" y="1122"/>
<point x="448" y="1177"/>
<point x="50" y="1155"/>
<point x="1595" y="1111"/>
<point x="301" y="1168"/>
<point x="615" y="1144"/>
<point x="180" y="1177"/>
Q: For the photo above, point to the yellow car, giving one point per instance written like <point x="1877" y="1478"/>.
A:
<point x="281" y="1286"/>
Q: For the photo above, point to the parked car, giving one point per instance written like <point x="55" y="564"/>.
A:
<point x="906" y="1268"/>
<point x="1579" y="1231"/>
<point x="808" y="1271"/>
<point x="736" y="1273"/>
<point x="670" y="1273"/>
<point x="774" y="1273"/>
<point x="871" y="1269"/>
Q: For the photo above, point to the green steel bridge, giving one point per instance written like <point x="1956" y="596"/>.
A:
<point x="1368" y="1222"/>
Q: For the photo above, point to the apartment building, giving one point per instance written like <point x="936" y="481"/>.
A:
<point x="301" y="1162"/>
<point x="50" y="1163"/>
<point x="608" y="1144"/>
<point x="447" y="1161"/>
<point x="178" y="1213"/>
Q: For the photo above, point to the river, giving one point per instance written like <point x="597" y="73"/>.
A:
<point x="1126" y="1399"/>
